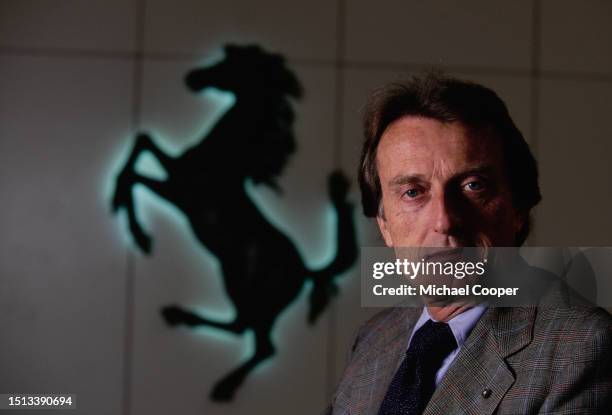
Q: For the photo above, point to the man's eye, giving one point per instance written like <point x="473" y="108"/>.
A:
<point x="412" y="193"/>
<point x="474" y="186"/>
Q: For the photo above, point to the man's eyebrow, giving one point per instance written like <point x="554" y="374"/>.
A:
<point x="485" y="170"/>
<point x="404" y="179"/>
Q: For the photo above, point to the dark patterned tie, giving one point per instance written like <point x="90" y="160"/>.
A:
<point x="414" y="381"/>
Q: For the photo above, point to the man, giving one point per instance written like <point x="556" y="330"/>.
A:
<point x="443" y="165"/>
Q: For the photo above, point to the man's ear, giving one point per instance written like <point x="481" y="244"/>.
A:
<point x="382" y="225"/>
<point x="521" y="227"/>
<point x="521" y="219"/>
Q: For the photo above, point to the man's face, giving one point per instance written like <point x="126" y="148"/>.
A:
<point x="443" y="188"/>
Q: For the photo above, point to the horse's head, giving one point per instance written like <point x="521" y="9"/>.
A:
<point x="263" y="84"/>
<point x="247" y="70"/>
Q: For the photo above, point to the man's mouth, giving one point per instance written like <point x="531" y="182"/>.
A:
<point x="443" y="254"/>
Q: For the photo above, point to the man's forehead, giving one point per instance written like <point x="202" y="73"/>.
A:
<point x="421" y="134"/>
<point x="418" y="145"/>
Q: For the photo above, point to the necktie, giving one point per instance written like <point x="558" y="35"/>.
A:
<point x="414" y="381"/>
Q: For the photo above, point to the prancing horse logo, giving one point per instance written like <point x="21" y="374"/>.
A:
<point x="261" y="268"/>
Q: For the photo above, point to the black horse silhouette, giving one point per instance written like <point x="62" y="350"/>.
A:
<point x="262" y="269"/>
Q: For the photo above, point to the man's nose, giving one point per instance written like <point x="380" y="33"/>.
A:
<point x="446" y="217"/>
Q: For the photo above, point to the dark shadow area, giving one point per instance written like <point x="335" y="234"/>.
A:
<point x="262" y="270"/>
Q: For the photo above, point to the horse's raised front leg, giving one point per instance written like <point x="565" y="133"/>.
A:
<point x="124" y="189"/>
<point x="225" y="389"/>
<point x="126" y="182"/>
<point x="123" y="196"/>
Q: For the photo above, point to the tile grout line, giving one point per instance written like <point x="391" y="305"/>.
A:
<point x="535" y="76"/>
<point x="330" y="373"/>
<point x="339" y="81"/>
<point x="128" y="333"/>
<point x="130" y="294"/>
<point x="63" y="53"/>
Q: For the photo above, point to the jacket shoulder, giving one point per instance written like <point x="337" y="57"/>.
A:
<point x="384" y="325"/>
<point x="563" y="309"/>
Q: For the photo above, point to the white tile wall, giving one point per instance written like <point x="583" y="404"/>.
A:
<point x="471" y="33"/>
<point x="62" y="261"/>
<point x="576" y="37"/>
<point x="575" y="146"/>
<point x="94" y="25"/>
<point x="300" y="29"/>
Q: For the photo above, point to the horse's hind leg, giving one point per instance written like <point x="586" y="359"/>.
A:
<point x="175" y="315"/>
<point x="225" y="389"/>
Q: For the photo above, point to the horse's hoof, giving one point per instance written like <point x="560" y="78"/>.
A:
<point x="222" y="392"/>
<point x="117" y="202"/>
<point x="174" y="315"/>
<point x="143" y="138"/>
<point x="339" y="186"/>
<point x="144" y="242"/>
<point x="320" y="299"/>
<point x="122" y="189"/>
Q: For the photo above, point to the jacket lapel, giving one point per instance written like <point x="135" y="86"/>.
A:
<point x="481" y="366"/>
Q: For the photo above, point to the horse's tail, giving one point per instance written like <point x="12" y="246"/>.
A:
<point x="324" y="286"/>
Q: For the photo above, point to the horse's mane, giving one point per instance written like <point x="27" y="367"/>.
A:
<point x="272" y="72"/>
<point x="274" y="85"/>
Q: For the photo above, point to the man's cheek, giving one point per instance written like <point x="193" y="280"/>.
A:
<point x="393" y="225"/>
<point x="410" y="231"/>
<point x="498" y="223"/>
<point x="494" y="209"/>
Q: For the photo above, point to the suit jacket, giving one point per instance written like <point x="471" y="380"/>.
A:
<point x="551" y="359"/>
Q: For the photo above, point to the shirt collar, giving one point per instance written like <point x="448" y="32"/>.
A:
<point x="461" y="325"/>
